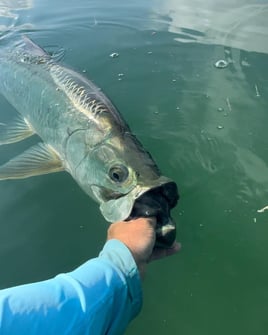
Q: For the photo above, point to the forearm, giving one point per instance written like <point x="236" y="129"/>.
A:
<point x="99" y="297"/>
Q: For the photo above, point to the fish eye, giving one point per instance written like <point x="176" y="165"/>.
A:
<point x="118" y="173"/>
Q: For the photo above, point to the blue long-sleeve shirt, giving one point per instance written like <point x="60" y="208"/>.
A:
<point x="100" y="297"/>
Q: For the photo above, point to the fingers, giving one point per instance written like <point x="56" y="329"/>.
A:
<point x="139" y="236"/>
<point x="159" y="253"/>
<point x="151" y="221"/>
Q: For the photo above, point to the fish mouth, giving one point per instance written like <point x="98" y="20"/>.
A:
<point x="119" y="209"/>
<point x="166" y="234"/>
<point x="155" y="199"/>
<point x="157" y="203"/>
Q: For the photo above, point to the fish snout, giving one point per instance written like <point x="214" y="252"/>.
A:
<point x="155" y="203"/>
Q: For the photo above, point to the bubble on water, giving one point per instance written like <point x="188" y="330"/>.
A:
<point x="178" y="108"/>
<point x="245" y="63"/>
<point x="220" y="127"/>
<point x="220" y="109"/>
<point x="257" y="91"/>
<point x="114" y="55"/>
<point x="221" y="64"/>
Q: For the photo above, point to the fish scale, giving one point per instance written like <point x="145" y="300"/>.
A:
<point x="81" y="132"/>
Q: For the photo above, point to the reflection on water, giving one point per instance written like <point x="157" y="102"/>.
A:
<point x="229" y="23"/>
<point x="205" y="126"/>
<point x="8" y="7"/>
<point x="9" y="14"/>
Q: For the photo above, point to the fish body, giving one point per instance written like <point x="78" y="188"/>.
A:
<point x="81" y="132"/>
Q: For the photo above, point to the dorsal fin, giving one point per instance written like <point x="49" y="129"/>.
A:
<point x="33" y="48"/>
<point x="31" y="53"/>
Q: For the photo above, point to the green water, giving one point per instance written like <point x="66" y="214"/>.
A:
<point x="207" y="129"/>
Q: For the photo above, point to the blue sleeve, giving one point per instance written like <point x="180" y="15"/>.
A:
<point x="100" y="297"/>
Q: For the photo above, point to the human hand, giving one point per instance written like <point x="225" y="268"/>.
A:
<point x="139" y="236"/>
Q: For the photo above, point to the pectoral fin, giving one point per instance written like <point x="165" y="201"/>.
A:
<point x="37" y="160"/>
<point x="17" y="130"/>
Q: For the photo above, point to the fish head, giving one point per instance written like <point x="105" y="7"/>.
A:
<point x="123" y="178"/>
<point x="102" y="170"/>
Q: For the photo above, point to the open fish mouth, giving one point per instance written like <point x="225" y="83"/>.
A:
<point x="157" y="203"/>
<point x="153" y="200"/>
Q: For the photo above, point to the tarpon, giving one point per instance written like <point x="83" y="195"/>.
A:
<point x="82" y="133"/>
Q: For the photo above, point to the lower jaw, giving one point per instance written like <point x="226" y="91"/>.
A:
<point x="165" y="236"/>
